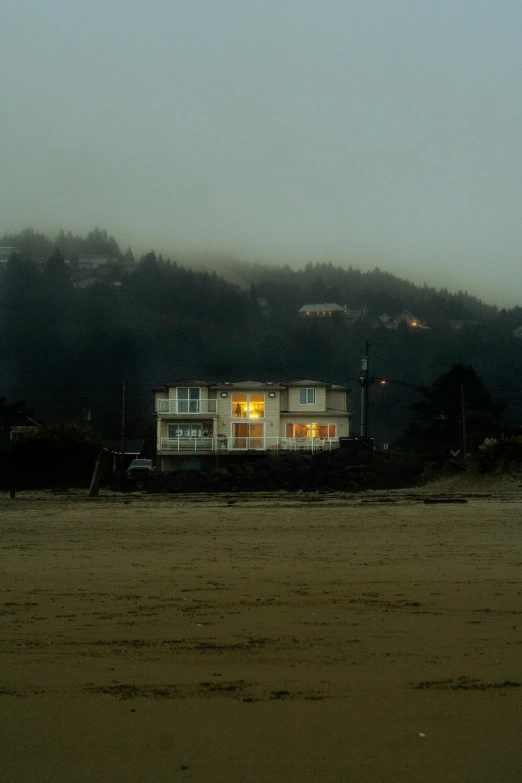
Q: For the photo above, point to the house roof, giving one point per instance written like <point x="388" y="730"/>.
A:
<point x="184" y="382"/>
<point x="321" y="308"/>
<point x="248" y="385"/>
<point x="132" y="445"/>
<point x="95" y="257"/>
<point x="308" y="383"/>
<point x="29" y="423"/>
<point x="408" y="314"/>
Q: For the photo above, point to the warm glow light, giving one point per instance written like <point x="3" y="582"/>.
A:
<point x="382" y="382"/>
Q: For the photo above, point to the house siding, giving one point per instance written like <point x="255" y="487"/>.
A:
<point x="320" y="400"/>
<point x="336" y="399"/>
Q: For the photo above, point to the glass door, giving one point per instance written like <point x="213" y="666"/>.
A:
<point x="248" y="436"/>
<point x="189" y="400"/>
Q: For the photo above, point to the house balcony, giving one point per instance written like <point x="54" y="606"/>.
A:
<point x="186" y="444"/>
<point x="225" y="445"/>
<point x="186" y="407"/>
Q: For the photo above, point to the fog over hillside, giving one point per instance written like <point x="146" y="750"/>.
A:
<point x="78" y="316"/>
<point x="288" y="131"/>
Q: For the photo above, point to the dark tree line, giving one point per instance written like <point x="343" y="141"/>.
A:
<point x="58" y="341"/>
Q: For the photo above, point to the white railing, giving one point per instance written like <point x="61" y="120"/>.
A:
<point x="225" y="444"/>
<point x="17" y="433"/>
<point x="188" y="407"/>
<point x="187" y="444"/>
<point x="277" y="444"/>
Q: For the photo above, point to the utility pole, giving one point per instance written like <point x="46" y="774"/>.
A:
<point x="365" y="384"/>
<point x="463" y="417"/>
<point x="123" y="425"/>
<point x="86" y="411"/>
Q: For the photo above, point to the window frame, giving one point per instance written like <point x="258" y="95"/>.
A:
<point x="331" y="429"/>
<point x="306" y="392"/>
<point x="191" y="402"/>
<point x="247" y="404"/>
<point x="188" y="429"/>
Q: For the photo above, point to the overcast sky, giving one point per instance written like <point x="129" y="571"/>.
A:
<point x="371" y="132"/>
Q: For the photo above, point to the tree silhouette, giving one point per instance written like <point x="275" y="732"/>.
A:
<point x="458" y="396"/>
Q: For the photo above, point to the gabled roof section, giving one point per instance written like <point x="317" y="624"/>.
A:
<point x="183" y="382"/>
<point x="308" y="383"/>
<point x="247" y="385"/>
<point x="250" y="384"/>
<point x="406" y="314"/>
<point x="328" y="307"/>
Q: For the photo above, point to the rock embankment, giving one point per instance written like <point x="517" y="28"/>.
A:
<point x="331" y="471"/>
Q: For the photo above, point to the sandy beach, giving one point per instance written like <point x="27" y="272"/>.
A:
<point x="257" y="638"/>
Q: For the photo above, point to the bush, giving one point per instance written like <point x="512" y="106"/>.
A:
<point x="54" y="456"/>
<point x="499" y="453"/>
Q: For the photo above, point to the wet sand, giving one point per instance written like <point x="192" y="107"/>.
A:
<point x="312" y="638"/>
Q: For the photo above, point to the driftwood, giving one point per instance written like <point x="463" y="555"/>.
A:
<point x="96" y="476"/>
<point x="445" y="500"/>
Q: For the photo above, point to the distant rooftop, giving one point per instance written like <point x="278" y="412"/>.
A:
<point x="326" y="307"/>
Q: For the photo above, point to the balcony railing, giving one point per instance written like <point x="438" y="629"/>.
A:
<point x="187" y="407"/>
<point x="224" y="444"/>
<point x="187" y="444"/>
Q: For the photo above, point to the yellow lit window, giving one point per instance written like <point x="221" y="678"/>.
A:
<point x="321" y="431"/>
<point x="248" y="406"/>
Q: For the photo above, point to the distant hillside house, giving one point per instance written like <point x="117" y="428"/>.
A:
<point x="458" y="324"/>
<point x="86" y="282"/>
<point x="518" y="332"/>
<point x="263" y="304"/>
<point x="91" y="262"/>
<point x="6" y="253"/>
<point x="327" y="310"/>
<point x="403" y="318"/>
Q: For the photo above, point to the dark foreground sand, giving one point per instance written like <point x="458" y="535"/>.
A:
<point x="269" y="640"/>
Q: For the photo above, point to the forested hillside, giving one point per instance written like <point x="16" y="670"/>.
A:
<point x="60" y="340"/>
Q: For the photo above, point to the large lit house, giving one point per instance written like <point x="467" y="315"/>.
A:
<point x="232" y="418"/>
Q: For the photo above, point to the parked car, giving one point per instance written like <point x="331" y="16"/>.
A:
<point x="141" y="468"/>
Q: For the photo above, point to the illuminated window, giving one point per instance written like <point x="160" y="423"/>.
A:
<point x="248" y="406"/>
<point x="306" y="396"/>
<point x="320" y="431"/>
